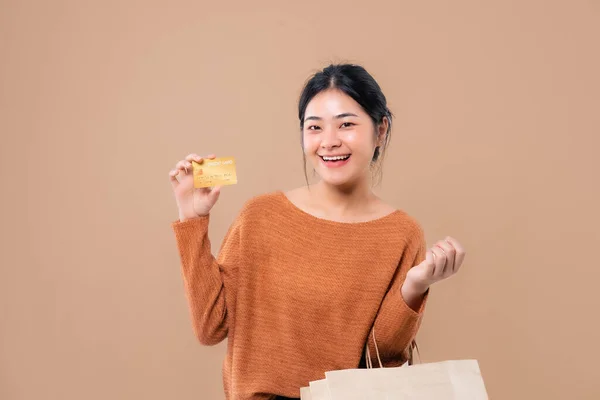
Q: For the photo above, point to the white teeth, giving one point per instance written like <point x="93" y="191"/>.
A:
<point x="336" y="158"/>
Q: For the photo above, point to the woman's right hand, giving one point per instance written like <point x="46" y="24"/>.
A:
<point x="192" y="202"/>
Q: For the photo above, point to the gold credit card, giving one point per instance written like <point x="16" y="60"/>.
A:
<point x="215" y="172"/>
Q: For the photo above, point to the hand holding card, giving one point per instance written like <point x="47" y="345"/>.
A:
<point x="197" y="183"/>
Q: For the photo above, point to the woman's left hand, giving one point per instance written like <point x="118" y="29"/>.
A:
<point x="441" y="262"/>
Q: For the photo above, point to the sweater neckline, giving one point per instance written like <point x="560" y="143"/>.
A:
<point x="297" y="210"/>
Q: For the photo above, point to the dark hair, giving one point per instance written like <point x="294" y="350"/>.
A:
<point x="357" y="83"/>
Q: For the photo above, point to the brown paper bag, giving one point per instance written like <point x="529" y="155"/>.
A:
<point x="446" y="380"/>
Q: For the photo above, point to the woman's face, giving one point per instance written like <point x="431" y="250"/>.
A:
<point x="339" y="138"/>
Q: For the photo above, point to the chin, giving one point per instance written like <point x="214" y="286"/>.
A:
<point x="340" y="182"/>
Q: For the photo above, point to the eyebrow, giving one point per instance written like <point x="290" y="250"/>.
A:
<point x="344" y="115"/>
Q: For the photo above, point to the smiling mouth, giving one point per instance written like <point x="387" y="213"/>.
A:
<point x="334" y="159"/>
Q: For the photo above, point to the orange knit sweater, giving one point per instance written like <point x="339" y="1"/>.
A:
<point x="297" y="295"/>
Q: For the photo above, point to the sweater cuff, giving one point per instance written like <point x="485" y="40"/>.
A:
<point x="190" y="231"/>
<point x="406" y="309"/>
<point x="192" y="223"/>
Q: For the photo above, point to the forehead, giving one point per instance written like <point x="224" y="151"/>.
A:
<point x="332" y="102"/>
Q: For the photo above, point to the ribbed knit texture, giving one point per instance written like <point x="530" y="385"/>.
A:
<point x="297" y="295"/>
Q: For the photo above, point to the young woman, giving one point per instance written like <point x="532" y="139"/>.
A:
<point x="306" y="279"/>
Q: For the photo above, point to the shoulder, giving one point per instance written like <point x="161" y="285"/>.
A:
<point x="408" y="227"/>
<point x="259" y="201"/>
<point x="255" y="212"/>
<point x="259" y="205"/>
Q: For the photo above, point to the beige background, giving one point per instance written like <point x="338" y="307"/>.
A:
<point x="496" y="142"/>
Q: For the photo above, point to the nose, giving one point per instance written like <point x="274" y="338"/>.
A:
<point x="330" y="139"/>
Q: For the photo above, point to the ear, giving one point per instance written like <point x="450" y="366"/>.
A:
<point x="382" y="130"/>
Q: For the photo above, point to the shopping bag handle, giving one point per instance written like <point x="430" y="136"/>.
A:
<point x="368" y="353"/>
<point x="368" y="360"/>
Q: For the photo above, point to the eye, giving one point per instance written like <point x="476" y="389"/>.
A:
<point x="347" y="124"/>
<point x="313" y="127"/>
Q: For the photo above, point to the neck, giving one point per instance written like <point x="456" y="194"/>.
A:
<point x="342" y="200"/>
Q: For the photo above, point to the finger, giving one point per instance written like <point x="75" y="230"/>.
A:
<point x="448" y="250"/>
<point x="444" y="267"/>
<point x="211" y="156"/>
<point x="459" y="251"/>
<point x="429" y="263"/>
<point x="184" y="165"/>
<point x="194" y="157"/>
<point x="173" y="177"/>
<point x="440" y="261"/>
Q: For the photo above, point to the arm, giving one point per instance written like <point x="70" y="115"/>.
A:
<point x="401" y="311"/>
<point x="204" y="276"/>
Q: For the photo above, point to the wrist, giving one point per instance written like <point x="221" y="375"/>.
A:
<point x="183" y="217"/>
<point x="414" y="287"/>
<point x="413" y="293"/>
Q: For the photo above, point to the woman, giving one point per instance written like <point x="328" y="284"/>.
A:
<point x="307" y="278"/>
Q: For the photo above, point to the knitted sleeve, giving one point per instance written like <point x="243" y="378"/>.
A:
<point x="396" y="324"/>
<point x="205" y="277"/>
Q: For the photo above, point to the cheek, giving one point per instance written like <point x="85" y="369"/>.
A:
<point x="310" y="143"/>
<point x="351" y="137"/>
<point x="359" y="142"/>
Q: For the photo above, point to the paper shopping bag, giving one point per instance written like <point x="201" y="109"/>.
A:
<point x="447" y="380"/>
<point x="319" y="390"/>
<point x="305" y="393"/>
